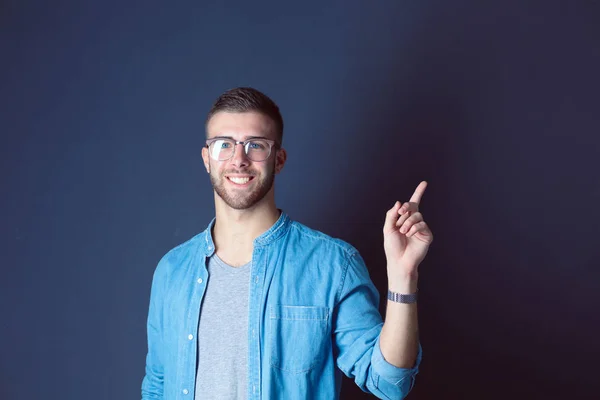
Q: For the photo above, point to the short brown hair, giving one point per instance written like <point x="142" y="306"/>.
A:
<point x="247" y="99"/>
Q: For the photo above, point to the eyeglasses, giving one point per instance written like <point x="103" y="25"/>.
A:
<point x="222" y="149"/>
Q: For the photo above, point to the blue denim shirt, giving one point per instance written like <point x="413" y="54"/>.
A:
<point x="313" y="314"/>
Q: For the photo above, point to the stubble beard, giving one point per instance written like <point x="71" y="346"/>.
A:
<point x="243" y="199"/>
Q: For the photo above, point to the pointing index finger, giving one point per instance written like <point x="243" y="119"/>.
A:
<point x="416" y="197"/>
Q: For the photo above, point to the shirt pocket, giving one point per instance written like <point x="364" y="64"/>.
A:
<point x="299" y="338"/>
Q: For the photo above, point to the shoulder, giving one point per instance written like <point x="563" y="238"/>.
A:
<point x="339" y="256"/>
<point x="181" y="253"/>
<point x="312" y="237"/>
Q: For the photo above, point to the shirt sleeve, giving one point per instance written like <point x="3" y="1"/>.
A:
<point x="152" y="384"/>
<point x="404" y="378"/>
<point x="357" y="327"/>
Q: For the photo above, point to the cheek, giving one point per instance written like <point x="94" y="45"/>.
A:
<point x="213" y="168"/>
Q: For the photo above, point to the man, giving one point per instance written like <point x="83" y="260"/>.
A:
<point x="261" y="307"/>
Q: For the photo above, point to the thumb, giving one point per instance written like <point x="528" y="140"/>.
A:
<point x="391" y="217"/>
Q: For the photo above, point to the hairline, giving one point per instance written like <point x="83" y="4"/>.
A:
<point x="251" y="111"/>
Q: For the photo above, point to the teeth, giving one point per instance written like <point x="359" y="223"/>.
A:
<point x="239" y="181"/>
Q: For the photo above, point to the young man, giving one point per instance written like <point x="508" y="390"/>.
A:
<point x="261" y="307"/>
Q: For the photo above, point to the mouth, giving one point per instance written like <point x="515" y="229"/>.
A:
<point x="240" y="181"/>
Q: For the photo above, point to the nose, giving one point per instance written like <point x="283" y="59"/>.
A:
<point x="239" y="158"/>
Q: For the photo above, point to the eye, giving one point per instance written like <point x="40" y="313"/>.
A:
<point x="257" y="145"/>
<point x="225" y="145"/>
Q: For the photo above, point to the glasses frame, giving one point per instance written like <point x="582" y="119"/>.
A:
<point x="272" y="144"/>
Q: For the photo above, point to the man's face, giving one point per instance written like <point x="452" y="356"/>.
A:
<point x="260" y="176"/>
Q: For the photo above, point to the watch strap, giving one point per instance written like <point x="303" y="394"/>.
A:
<point x="402" y="298"/>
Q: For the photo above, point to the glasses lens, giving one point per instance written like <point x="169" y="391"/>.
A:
<point x="258" y="150"/>
<point x="221" y="149"/>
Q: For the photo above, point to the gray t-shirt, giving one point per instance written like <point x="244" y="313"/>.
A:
<point x="223" y="333"/>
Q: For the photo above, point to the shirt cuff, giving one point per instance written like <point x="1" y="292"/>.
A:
<point x="390" y="372"/>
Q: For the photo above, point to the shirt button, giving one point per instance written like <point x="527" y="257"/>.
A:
<point x="185" y="391"/>
<point x="190" y="337"/>
<point x="199" y="280"/>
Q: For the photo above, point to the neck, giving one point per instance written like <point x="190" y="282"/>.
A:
<point x="235" y="230"/>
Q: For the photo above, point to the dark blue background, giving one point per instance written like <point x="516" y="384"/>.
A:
<point x="102" y="107"/>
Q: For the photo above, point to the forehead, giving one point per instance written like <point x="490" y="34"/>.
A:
<point x="240" y="125"/>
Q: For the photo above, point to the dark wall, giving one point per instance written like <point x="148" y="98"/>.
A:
<point x="495" y="104"/>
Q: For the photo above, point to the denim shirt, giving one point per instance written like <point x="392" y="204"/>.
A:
<point x="313" y="314"/>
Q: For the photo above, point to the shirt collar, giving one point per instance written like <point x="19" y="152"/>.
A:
<point x="279" y="228"/>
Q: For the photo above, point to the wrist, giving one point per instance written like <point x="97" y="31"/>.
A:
<point x="403" y="283"/>
<point x="407" y="287"/>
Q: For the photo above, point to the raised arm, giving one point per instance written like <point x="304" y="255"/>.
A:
<point x="406" y="242"/>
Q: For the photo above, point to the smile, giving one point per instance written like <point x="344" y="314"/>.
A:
<point x="239" y="180"/>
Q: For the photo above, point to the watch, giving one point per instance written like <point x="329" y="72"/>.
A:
<point x="402" y="298"/>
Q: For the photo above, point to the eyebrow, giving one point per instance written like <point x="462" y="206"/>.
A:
<point x="245" y="137"/>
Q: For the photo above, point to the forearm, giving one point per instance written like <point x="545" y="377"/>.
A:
<point x="399" y="339"/>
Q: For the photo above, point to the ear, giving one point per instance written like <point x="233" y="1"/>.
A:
<point x="205" y="158"/>
<point x="280" y="158"/>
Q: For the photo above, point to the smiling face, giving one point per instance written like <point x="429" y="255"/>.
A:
<point x="239" y="182"/>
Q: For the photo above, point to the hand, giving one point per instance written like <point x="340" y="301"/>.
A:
<point x="406" y="236"/>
